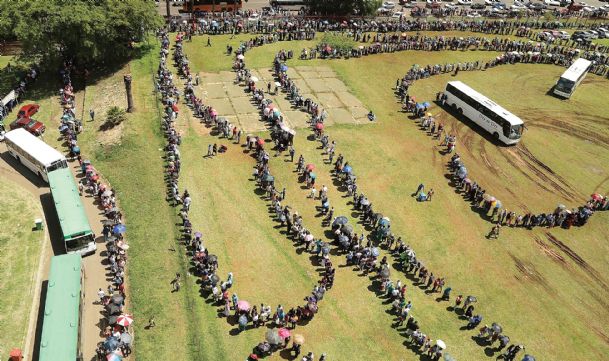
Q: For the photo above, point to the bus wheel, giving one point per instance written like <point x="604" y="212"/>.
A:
<point x="496" y="136"/>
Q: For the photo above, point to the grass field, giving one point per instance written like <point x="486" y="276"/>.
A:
<point x="20" y="251"/>
<point x="544" y="297"/>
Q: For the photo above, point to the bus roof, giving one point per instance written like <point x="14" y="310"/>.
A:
<point x="38" y="149"/>
<point x="70" y="210"/>
<point x="576" y="69"/>
<point x="498" y="109"/>
<point x="59" y="338"/>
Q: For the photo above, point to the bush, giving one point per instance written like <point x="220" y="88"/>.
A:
<point x="338" y="42"/>
<point x="114" y="117"/>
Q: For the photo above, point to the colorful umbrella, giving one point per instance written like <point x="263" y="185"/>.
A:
<point x="347" y="169"/>
<point x="596" y="197"/>
<point x="119" y="229"/>
<point x="260" y="141"/>
<point x="298" y="339"/>
<point x="310" y="167"/>
<point x="319" y="126"/>
<point x="313" y="175"/>
<point x="114" y="356"/>
<point x="243" y="305"/>
<point x="110" y="344"/>
<point x="124" y="320"/>
<point x="284" y="333"/>
<point x="240" y="57"/>
<point x="175" y="108"/>
<point x="272" y="337"/>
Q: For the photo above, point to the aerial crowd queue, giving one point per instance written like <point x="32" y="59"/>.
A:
<point x="115" y="325"/>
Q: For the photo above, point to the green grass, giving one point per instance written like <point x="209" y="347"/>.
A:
<point x="20" y="249"/>
<point x="392" y="157"/>
<point x="548" y="304"/>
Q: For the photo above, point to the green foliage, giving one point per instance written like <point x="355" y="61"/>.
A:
<point x="114" y="117"/>
<point x="87" y="31"/>
<point x="337" y="41"/>
<point x="344" y="7"/>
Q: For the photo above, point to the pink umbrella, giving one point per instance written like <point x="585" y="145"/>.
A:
<point x="310" y="167"/>
<point x="214" y="112"/>
<point x="243" y="305"/>
<point x="319" y="126"/>
<point x="124" y="320"/>
<point x="284" y="333"/>
<point x="596" y="197"/>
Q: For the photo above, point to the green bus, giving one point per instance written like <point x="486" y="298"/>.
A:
<point x="61" y="325"/>
<point x="75" y="228"/>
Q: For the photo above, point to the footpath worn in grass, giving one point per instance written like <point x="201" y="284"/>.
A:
<point x="20" y="248"/>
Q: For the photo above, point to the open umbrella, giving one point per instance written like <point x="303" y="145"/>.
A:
<point x="114" y="356"/>
<point x="347" y="229"/>
<point x="243" y="320"/>
<point x="260" y="141"/>
<point x="298" y="339"/>
<point x="117" y="299"/>
<point x="313" y="175"/>
<point x="268" y="178"/>
<point x="119" y="229"/>
<point x="272" y="337"/>
<point x="347" y="169"/>
<point x="254" y="79"/>
<point x="198" y="234"/>
<point x="496" y="327"/>
<point x="319" y="126"/>
<point x="212" y="258"/>
<point x="107" y="193"/>
<point x="528" y="358"/>
<point x="426" y="104"/>
<point x="310" y="167"/>
<point x="243" y="305"/>
<point x="365" y="202"/>
<point x="112" y="320"/>
<point x="112" y="309"/>
<point x="124" y="320"/>
<point x="441" y="344"/>
<point x="277" y="83"/>
<point x="596" y="197"/>
<point x="487" y="197"/>
<point x="283" y="333"/>
<point x="341" y="220"/>
<point x="110" y="344"/>
<point x="126" y="337"/>
<point x="284" y="67"/>
<point x="385" y="272"/>
<point x="471" y="299"/>
<point x="240" y="57"/>
<point x="375" y="252"/>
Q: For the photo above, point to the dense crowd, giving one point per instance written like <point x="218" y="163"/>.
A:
<point x="116" y="332"/>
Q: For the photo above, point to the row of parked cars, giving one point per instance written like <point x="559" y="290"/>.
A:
<point x="389" y="6"/>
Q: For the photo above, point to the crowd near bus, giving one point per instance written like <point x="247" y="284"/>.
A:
<point x="34" y="153"/>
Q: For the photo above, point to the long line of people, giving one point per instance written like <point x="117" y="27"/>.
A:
<point x="116" y="333"/>
<point x="365" y="257"/>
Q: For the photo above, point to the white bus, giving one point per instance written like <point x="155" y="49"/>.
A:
<point x="34" y="153"/>
<point x="571" y="78"/>
<point x="503" y="125"/>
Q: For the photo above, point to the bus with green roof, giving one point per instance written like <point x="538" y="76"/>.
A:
<point x="61" y="325"/>
<point x="75" y="228"/>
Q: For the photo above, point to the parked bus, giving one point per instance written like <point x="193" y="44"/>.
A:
<point x="571" y="78"/>
<point x="503" y="125"/>
<point x="75" y="228"/>
<point x="61" y="324"/>
<point x="211" y="5"/>
<point x="34" y="153"/>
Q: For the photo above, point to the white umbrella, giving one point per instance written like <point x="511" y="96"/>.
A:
<point x="124" y="320"/>
<point x="254" y="79"/>
<point x="240" y="57"/>
<point x="277" y="83"/>
<point x="441" y="344"/>
<point x="107" y="193"/>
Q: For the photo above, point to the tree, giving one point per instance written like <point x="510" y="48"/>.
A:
<point x="86" y="31"/>
<point x="343" y="7"/>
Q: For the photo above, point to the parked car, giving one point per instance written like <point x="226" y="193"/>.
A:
<point x="28" y="110"/>
<point x="491" y="2"/>
<point x="552" y="2"/>
<point x="478" y="6"/>
<point x="537" y="6"/>
<point x="518" y="6"/>
<point x="398" y="15"/>
<point x="31" y="125"/>
<point x="464" y="2"/>
<point x="389" y="5"/>
<point x="603" y="32"/>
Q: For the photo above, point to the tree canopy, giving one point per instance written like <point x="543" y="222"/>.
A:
<point x="344" y="7"/>
<point x="86" y="30"/>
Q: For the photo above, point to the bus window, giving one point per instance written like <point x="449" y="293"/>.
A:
<point x="564" y="85"/>
<point x="78" y="243"/>
<point x="516" y="131"/>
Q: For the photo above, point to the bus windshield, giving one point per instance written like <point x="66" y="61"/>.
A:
<point x="565" y="85"/>
<point x="516" y="131"/>
<point x="78" y="243"/>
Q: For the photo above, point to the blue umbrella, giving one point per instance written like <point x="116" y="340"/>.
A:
<point x="420" y="106"/>
<point x="347" y="169"/>
<point x="119" y="228"/>
<point x="426" y="104"/>
<point x="341" y="220"/>
<point x="375" y="252"/>
<point x="284" y="67"/>
<point x="111" y="344"/>
<point x="528" y="358"/>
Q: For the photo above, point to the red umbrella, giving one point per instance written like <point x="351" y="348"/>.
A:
<point x="310" y="167"/>
<point x="328" y="49"/>
<point x="596" y="197"/>
<point x="260" y="141"/>
<point x="284" y="333"/>
<point x="319" y="126"/>
<point x="175" y="108"/>
<point x="124" y="320"/>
